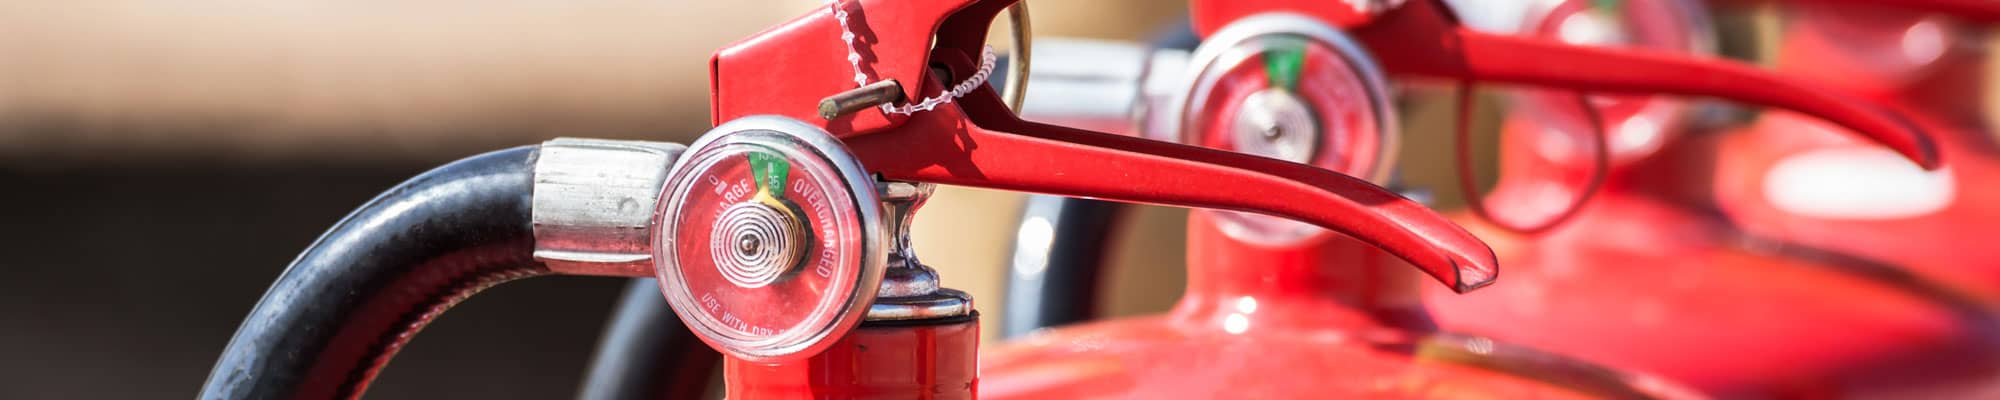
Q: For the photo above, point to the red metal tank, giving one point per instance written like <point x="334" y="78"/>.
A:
<point x="878" y="360"/>
<point x="1329" y="317"/>
<point x="1647" y="277"/>
<point x="1799" y="180"/>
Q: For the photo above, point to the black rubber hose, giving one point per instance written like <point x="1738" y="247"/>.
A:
<point x="646" y="352"/>
<point x="353" y="298"/>
<point x="1058" y="258"/>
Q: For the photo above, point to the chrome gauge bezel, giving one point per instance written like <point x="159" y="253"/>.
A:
<point x="795" y="139"/>
<point x="1225" y="49"/>
<point x="1239" y="42"/>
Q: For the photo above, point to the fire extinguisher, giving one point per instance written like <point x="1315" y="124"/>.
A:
<point x="1237" y="264"/>
<point x="1797" y="180"/>
<point x="1644" y="276"/>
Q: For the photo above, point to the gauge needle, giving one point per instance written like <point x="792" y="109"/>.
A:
<point x="1283" y="63"/>
<point x="769" y="171"/>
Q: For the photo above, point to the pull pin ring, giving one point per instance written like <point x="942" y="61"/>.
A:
<point x="1476" y="201"/>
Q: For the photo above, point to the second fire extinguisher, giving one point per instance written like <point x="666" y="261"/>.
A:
<point x="1645" y="276"/>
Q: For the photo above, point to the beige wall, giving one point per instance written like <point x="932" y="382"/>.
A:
<point x="91" y="82"/>
<point x="385" y="80"/>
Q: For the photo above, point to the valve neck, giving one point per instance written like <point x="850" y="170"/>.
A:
<point x="910" y="290"/>
<point x="1326" y="280"/>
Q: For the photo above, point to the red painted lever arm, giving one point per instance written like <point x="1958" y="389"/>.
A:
<point x="1977" y="11"/>
<point x="1494" y="57"/>
<point x="1002" y="152"/>
<point x="1455" y="52"/>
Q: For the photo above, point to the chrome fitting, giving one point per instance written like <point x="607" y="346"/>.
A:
<point x="910" y="289"/>
<point x="594" y="202"/>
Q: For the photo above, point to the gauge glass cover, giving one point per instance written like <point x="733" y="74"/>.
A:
<point x="769" y="241"/>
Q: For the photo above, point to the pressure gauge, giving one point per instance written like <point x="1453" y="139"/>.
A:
<point x="1287" y="87"/>
<point x="769" y="239"/>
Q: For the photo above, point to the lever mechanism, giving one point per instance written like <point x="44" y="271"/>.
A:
<point x="976" y="141"/>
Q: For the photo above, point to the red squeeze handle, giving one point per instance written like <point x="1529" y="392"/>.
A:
<point x="1536" y="62"/>
<point x="1976" y="11"/>
<point x="978" y="142"/>
<point x="1423" y="38"/>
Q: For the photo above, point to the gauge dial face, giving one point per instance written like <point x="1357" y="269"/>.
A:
<point x="1286" y="97"/>
<point x="1293" y="93"/>
<point x="766" y="249"/>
